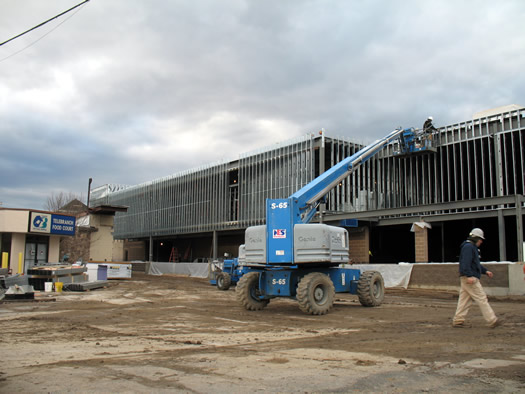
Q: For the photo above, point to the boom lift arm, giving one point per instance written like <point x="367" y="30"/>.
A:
<point x="306" y="200"/>
<point x="283" y="215"/>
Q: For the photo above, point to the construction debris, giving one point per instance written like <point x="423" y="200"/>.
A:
<point x="25" y="292"/>
<point x="38" y="276"/>
<point x="86" y="286"/>
<point x="7" y="281"/>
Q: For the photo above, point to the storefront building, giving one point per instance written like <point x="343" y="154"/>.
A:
<point x="30" y="238"/>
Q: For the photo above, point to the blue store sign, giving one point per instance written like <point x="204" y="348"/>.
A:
<point x="51" y="224"/>
<point x="63" y="225"/>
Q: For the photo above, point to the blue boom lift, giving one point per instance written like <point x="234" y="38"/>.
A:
<point x="229" y="272"/>
<point x="291" y="257"/>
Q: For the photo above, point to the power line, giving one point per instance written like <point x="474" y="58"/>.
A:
<point x="34" y="42"/>
<point x="43" y="23"/>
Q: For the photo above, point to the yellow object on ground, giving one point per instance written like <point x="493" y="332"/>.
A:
<point x="20" y="263"/>
<point x="58" y="286"/>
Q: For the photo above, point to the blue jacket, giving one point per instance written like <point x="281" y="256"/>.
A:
<point x="469" y="263"/>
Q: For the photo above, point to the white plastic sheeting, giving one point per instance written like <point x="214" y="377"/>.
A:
<point x="394" y="275"/>
<point x="196" y="270"/>
<point x="420" y="225"/>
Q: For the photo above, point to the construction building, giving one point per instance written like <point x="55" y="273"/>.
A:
<point x="397" y="207"/>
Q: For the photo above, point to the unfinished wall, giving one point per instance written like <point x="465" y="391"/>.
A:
<point x="475" y="159"/>
<point x="509" y="279"/>
<point x="480" y="158"/>
<point x="80" y="247"/>
<point x="135" y="251"/>
<point x="446" y="276"/>
<point x="118" y="250"/>
<point x="77" y="247"/>
<point x="359" y="245"/>
<point x="101" y="247"/>
<point x="421" y="239"/>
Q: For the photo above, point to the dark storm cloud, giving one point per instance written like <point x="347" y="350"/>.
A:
<point x="128" y="91"/>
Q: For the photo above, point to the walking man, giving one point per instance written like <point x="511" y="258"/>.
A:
<point x="470" y="271"/>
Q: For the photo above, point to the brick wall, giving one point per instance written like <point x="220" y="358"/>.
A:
<point x="359" y="245"/>
<point x="135" y="250"/>
<point x="447" y="275"/>
<point x="77" y="247"/>
<point x="421" y="238"/>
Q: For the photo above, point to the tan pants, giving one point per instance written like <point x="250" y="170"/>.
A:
<point x="469" y="293"/>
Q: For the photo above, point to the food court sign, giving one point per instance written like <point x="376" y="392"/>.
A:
<point x="46" y="223"/>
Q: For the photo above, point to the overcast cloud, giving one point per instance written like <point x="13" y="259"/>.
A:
<point x="127" y="91"/>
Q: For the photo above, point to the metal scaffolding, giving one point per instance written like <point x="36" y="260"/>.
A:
<point x="479" y="159"/>
<point x="273" y="173"/>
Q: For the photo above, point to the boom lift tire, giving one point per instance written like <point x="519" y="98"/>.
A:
<point x="248" y="292"/>
<point x="371" y="288"/>
<point x="224" y="281"/>
<point x="315" y="293"/>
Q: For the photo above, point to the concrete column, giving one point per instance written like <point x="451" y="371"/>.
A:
<point x="215" y="245"/>
<point x="443" y="242"/>
<point x="18" y="245"/>
<point x="421" y="237"/>
<point x="150" y="248"/>
<point x="53" y="249"/>
<point x="501" y="232"/>
<point x="519" y="227"/>
<point x="499" y="164"/>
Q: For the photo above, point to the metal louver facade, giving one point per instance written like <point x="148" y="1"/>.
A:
<point x="479" y="159"/>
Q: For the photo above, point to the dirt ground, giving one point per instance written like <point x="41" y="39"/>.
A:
<point x="178" y="334"/>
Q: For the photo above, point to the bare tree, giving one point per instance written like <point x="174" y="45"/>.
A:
<point x="59" y="200"/>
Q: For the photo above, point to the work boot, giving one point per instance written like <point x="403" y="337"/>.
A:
<point x="496" y="323"/>
<point x="461" y="325"/>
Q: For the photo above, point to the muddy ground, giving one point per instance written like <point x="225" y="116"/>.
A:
<point x="179" y="334"/>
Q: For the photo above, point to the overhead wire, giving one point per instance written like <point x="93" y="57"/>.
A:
<point x="40" y="25"/>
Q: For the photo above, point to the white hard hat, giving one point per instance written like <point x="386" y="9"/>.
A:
<point x="431" y="118"/>
<point x="477" y="232"/>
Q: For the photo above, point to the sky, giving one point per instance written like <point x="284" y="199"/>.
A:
<point x="128" y="91"/>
